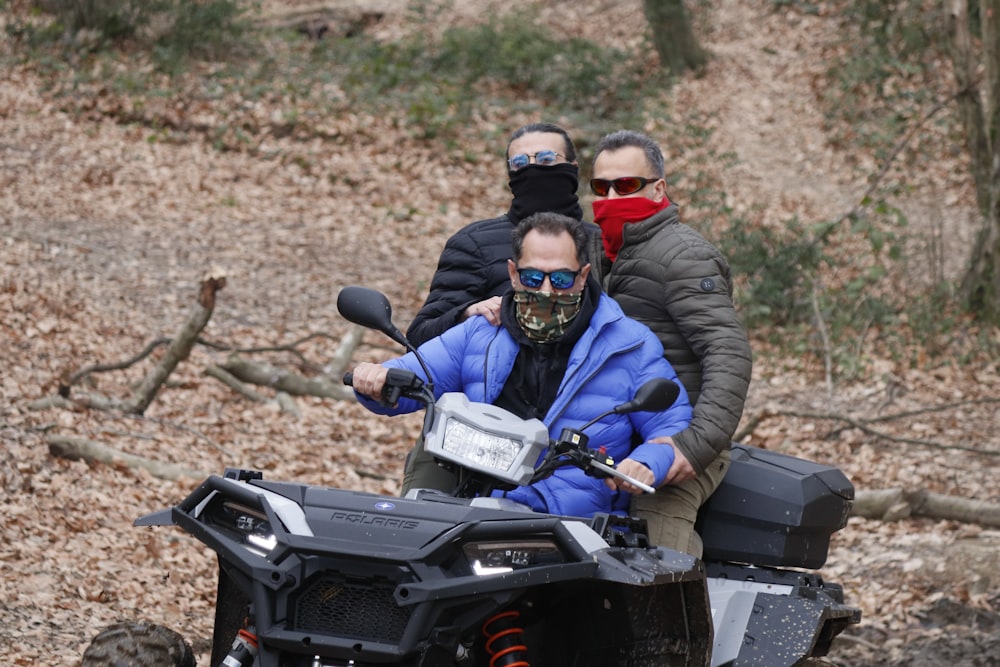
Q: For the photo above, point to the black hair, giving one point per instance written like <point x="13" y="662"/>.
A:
<point x="551" y="224"/>
<point x="546" y="128"/>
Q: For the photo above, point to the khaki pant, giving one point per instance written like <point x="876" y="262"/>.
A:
<point x="423" y="472"/>
<point x="671" y="512"/>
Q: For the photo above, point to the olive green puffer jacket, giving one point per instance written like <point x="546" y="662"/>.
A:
<point x="671" y="279"/>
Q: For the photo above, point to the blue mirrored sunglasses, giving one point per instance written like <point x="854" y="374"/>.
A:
<point x="541" y="157"/>
<point x="561" y="279"/>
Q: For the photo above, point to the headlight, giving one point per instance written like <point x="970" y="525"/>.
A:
<point x="248" y="525"/>
<point x="478" y="447"/>
<point x="486" y="438"/>
<point x="499" y="557"/>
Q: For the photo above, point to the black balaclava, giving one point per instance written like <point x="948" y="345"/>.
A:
<point x="538" y="188"/>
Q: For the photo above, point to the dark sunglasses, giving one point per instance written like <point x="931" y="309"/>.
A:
<point x="545" y="158"/>
<point x="626" y="185"/>
<point x="561" y="279"/>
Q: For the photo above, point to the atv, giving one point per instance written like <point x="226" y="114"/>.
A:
<point x="311" y="576"/>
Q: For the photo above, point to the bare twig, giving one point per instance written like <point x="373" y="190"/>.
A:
<point x="64" y="387"/>
<point x="187" y="429"/>
<point x="827" y="352"/>
<point x="863" y="425"/>
<point x="285" y="347"/>
<point x="897" y="149"/>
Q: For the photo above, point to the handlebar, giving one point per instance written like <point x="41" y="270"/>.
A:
<point x="613" y="472"/>
<point x="399" y="383"/>
<point x="572" y="449"/>
<point x="572" y="444"/>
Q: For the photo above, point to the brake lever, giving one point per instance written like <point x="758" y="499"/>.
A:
<point x="573" y="444"/>
<point x="614" y="472"/>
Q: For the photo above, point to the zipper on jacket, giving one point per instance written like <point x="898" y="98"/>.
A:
<point x="611" y="356"/>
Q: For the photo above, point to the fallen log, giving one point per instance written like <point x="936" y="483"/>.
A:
<point x="324" y="19"/>
<point x="264" y="375"/>
<point x="76" y="449"/>
<point x="880" y="504"/>
<point x="897" y="504"/>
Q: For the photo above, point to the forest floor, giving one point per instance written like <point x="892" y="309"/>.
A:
<point x="105" y="235"/>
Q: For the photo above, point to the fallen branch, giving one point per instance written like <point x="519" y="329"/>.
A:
<point x="281" y="380"/>
<point x="181" y="345"/>
<point x="288" y="405"/>
<point x="342" y="357"/>
<point x="863" y="425"/>
<point x="64" y="387"/>
<point x="324" y="20"/>
<point x="896" y="504"/>
<point x="241" y="388"/>
<point x="286" y="347"/>
<point x="76" y="449"/>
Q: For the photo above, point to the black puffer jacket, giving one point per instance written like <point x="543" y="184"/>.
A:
<point x="671" y="279"/>
<point x="472" y="267"/>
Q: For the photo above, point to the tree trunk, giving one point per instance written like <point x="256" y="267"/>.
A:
<point x="979" y="106"/>
<point x="673" y="37"/>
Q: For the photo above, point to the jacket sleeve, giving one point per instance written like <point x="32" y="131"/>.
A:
<point x="658" y="457"/>
<point x="444" y="357"/>
<point x="459" y="281"/>
<point x="698" y="296"/>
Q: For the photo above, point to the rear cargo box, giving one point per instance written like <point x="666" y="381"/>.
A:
<point x="774" y="510"/>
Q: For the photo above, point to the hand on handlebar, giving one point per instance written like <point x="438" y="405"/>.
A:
<point x="369" y="379"/>
<point x="635" y="470"/>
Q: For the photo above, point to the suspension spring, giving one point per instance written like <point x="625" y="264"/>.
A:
<point x="504" y="640"/>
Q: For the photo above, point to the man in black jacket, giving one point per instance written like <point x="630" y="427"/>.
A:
<point x="666" y="275"/>
<point x="472" y="271"/>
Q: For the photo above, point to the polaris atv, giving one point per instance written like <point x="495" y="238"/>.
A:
<point x="311" y="576"/>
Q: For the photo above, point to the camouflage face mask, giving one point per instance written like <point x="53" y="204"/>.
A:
<point x="544" y="316"/>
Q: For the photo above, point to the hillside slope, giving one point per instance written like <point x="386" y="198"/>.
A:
<point x="105" y="232"/>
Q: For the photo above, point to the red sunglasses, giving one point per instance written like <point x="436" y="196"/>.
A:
<point x="626" y="185"/>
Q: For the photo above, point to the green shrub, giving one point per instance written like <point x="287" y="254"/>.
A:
<point x="112" y="20"/>
<point x="208" y="29"/>
<point x="439" y="83"/>
<point x="174" y="29"/>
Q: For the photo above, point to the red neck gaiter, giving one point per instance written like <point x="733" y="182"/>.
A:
<point x="611" y="215"/>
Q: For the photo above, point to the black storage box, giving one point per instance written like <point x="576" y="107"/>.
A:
<point x="774" y="510"/>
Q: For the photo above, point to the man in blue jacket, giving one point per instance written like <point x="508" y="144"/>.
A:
<point x="471" y="274"/>
<point x="562" y="352"/>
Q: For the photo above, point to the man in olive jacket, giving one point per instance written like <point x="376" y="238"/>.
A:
<point x="667" y="276"/>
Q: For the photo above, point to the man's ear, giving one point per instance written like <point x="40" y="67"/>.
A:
<point x="512" y="272"/>
<point x="585" y="271"/>
<point x="660" y="188"/>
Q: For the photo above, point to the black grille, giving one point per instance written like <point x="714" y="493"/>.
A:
<point x="367" y="610"/>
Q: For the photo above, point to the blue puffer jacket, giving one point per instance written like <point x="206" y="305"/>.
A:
<point x="607" y="365"/>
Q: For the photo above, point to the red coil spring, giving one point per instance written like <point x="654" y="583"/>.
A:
<point x="503" y="640"/>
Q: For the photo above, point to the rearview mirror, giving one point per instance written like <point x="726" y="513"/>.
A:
<point x="655" y="395"/>
<point x="368" y="308"/>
